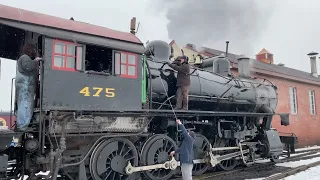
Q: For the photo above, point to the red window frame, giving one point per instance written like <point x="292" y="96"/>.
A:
<point x="126" y="64"/>
<point x="65" y="55"/>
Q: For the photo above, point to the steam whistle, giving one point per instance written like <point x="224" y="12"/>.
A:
<point x="133" y="26"/>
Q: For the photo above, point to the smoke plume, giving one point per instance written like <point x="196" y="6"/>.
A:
<point x="212" y="22"/>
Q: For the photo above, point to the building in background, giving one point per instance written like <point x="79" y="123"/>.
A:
<point x="0" y="69"/>
<point x="298" y="91"/>
<point x="7" y="71"/>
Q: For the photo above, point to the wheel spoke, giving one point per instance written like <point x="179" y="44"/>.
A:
<point x="105" y="177"/>
<point x="171" y="148"/>
<point x="120" y="153"/>
<point x="165" y="146"/>
<point x="126" y="152"/>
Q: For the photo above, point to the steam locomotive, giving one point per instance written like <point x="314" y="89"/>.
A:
<point x="114" y="119"/>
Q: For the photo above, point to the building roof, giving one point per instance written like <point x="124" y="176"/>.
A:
<point x="232" y="57"/>
<point x="261" y="67"/>
<point x="17" y="14"/>
<point x="263" y="51"/>
<point x="269" y="68"/>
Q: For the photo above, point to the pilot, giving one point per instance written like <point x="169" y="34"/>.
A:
<point x="26" y="79"/>
<point x="183" y="81"/>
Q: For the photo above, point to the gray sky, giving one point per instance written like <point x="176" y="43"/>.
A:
<point x="287" y="28"/>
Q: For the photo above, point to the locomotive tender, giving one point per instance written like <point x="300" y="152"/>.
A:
<point x="104" y="107"/>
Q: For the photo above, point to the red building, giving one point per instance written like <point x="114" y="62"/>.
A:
<point x="298" y="92"/>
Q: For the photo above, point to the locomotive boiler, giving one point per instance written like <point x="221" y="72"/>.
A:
<point x="210" y="91"/>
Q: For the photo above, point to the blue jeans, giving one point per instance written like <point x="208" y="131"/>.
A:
<point x="25" y="91"/>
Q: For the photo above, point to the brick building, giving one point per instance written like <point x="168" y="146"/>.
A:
<point x="298" y="91"/>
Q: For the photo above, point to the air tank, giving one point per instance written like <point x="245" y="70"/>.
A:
<point x="209" y="91"/>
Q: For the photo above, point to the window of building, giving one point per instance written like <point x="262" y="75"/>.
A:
<point x="65" y="55"/>
<point x="126" y="64"/>
<point x="293" y="100"/>
<point x="312" y="102"/>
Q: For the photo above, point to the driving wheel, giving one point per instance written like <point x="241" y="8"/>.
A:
<point x="156" y="150"/>
<point x="109" y="159"/>
<point x="229" y="164"/>
<point x="202" y="145"/>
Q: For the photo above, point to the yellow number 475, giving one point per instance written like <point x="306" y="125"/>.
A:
<point x="109" y="92"/>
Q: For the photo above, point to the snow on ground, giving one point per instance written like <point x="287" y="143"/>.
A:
<point x="298" y="163"/>
<point x="283" y="157"/>
<point x="307" y="148"/>
<point x="310" y="174"/>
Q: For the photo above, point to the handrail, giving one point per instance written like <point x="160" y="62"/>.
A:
<point x="11" y="102"/>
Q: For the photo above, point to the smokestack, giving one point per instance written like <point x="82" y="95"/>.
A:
<point x="244" y="67"/>
<point x="313" y="63"/>
<point x="227" y="47"/>
<point x="133" y="26"/>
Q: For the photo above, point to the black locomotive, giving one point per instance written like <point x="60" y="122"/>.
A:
<point x="109" y="114"/>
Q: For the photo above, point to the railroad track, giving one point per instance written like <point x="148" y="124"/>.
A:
<point x="307" y="154"/>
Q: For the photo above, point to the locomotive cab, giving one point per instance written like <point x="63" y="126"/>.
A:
<point x="78" y="72"/>
<point x="79" y="75"/>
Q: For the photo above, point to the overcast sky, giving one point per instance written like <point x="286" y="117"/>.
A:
<point x="287" y="28"/>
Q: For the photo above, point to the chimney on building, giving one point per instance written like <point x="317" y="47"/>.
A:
<point x="244" y="67"/>
<point x="191" y="46"/>
<point x="265" y="56"/>
<point x="313" y="63"/>
<point x="133" y="26"/>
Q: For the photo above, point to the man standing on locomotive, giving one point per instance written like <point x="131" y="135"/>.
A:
<point x="26" y="79"/>
<point x="186" y="152"/>
<point x="183" y="81"/>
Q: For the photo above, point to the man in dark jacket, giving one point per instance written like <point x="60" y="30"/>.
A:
<point x="183" y="81"/>
<point x="26" y="79"/>
<point x="186" y="152"/>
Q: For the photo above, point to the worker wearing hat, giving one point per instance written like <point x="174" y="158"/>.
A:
<point x="186" y="151"/>
<point x="183" y="81"/>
